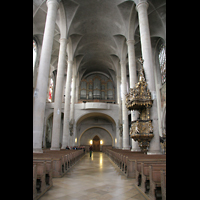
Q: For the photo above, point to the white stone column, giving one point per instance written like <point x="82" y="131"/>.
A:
<point x="119" y="138"/>
<point x="133" y="80"/>
<point x="66" y="132"/>
<point x="43" y="73"/>
<point x="64" y="84"/>
<point x="142" y="7"/>
<point x="72" y="102"/>
<point x="73" y="92"/>
<point x="132" y="63"/>
<point x="125" y="136"/>
<point x="58" y="96"/>
<point x="77" y="88"/>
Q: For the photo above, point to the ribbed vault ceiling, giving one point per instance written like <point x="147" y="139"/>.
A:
<point x="94" y="26"/>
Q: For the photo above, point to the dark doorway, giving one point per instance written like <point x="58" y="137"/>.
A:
<point x="96" y="143"/>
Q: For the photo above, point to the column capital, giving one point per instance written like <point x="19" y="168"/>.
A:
<point x="122" y="62"/>
<point x="118" y="77"/>
<point x="53" y="1"/>
<point x="142" y="3"/>
<point x="70" y="62"/>
<point x="63" y="40"/>
<point x="130" y="42"/>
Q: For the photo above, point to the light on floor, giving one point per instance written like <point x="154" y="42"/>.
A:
<point x="101" y="161"/>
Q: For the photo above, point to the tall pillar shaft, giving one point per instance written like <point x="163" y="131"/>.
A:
<point x="72" y="103"/>
<point x="133" y="80"/>
<point x="149" y="71"/>
<point x="125" y="136"/>
<point x="146" y="43"/>
<point x="132" y="63"/>
<point x="43" y="73"/>
<point x="66" y="132"/>
<point x="119" y="138"/>
<point x="58" y="96"/>
<point x="73" y="92"/>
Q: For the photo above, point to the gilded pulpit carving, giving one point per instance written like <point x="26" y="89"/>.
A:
<point x="139" y="98"/>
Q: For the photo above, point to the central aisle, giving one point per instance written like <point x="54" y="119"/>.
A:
<point x="93" y="178"/>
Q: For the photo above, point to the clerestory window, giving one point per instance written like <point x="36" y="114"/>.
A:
<point x="50" y="90"/>
<point x="34" y="54"/>
<point x="162" y="62"/>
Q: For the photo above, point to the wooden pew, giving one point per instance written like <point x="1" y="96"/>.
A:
<point x="145" y="174"/>
<point x="130" y="155"/>
<point x="70" y="156"/>
<point x="41" y="181"/>
<point x="155" y="181"/>
<point x="34" y="180"/>
<point x="163" y="184"/>
<point x="125" y="159"/>
<point x="51" y="164"/>
<point x="58" y="162"/>
<point x="137" y="163"/>
<point x="131" y="162"/>
<point x="118" y="156"/>
<point x="62" y="160"/>
<point x="49" y="169"/>
<point x="146" y="162"/>
<point x="41" y="172"/>
<point x="64" y="155"/>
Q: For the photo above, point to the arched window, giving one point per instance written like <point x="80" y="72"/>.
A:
<point x="50" y="90"/>
<point x="162" y="62"/>
<point x="34" y="54"/>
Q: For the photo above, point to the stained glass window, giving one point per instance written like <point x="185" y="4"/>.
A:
<point x="162" y="62"/>
<point x="34" y="53"/>
<point x="50" y="90"/>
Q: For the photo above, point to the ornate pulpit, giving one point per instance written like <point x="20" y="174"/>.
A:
<point x="139" y="98"/>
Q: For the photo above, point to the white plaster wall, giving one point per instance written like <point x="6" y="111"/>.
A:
<point x="112" y="110"/>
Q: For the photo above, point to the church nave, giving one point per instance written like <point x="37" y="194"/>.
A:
<point x="93" y="178"/>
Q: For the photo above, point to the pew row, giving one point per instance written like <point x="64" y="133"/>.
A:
<point x="50" y="164"/>
<point x="142" y="169"/>
<point x="42" y="177"/>
<point x="155" y="190"/>
<point x="137" y="165"/>
<point x="163" y="184"/>
<point x="125" y="159"/>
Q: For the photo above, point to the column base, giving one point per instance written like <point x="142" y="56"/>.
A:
<point x="136" y="150"/>
<point x="55" y="148"/>
<point x="63" y="147"/>
<point x="154" y="152"/>
<point x="37" y="150"/>
<point x="126" y="148"/>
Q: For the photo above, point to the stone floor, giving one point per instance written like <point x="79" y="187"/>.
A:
<point x="94" y="178"/>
